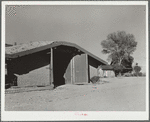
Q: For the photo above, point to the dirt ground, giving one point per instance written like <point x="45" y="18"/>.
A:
<point x="111" y="94"/>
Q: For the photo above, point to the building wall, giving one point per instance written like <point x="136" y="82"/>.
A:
<point x="36" y="77"/>
<point x="76" y="70"/>
<point x="106" y="73"/>
<point x="110" y="73"/>
<point x="76" y="73"/>
<point x="93" y="71"/>
<point x="80" y="68"/>
<point x="67" y="74"/>
<point x="41" y="76"/>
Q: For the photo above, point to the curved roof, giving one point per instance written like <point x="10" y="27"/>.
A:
<point x="33" y="47"/>
<point x="26" y="47"/>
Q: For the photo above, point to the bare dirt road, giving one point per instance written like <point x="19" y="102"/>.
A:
<point x="112" y="94"/>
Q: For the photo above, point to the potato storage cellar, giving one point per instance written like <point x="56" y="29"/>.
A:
<point x="54" y="62"/>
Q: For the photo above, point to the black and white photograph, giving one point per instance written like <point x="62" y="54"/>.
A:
<point x="85" y="60"/>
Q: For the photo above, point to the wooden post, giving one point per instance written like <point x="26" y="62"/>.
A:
<point x="98" y="71"/>
<point x="88" y="73"/>
<point x="87" y="69"/>
<point x="73" y="70"/>
<point x="51" y="67"/>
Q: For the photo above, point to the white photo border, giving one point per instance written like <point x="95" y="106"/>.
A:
<point x="73" y="115"/>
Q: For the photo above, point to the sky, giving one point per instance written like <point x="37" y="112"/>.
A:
<point x="85" y="25"/>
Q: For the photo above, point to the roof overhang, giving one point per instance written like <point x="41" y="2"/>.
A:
<point x="34" y="47"/>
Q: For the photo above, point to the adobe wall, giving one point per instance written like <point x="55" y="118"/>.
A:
<point x="38" y="77"/>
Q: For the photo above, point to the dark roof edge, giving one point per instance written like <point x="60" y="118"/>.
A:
<point x="83" y="50"/>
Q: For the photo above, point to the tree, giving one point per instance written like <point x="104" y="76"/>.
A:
<point x="119" y="46"/>
<point x="117" y="69"/>
<point x="137" y="69"/>
<point x="126" y="63"/>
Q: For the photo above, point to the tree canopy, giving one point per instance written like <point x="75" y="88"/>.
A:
<point x="119" y="46"/>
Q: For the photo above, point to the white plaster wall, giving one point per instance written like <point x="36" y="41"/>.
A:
<point x="36" y="77"/>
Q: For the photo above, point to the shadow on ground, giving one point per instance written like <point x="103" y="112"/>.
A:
<point x="99" y="82"/>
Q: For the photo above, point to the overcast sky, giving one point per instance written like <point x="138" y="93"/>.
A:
<point x="84" y="25"/>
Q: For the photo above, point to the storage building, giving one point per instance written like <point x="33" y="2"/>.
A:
<point x="59" y="62"/>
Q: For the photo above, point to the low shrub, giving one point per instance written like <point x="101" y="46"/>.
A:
<point x="140" y="74"/>
<point x="134" y="74"/>
<point x="95" y="79"/>
<point x="143" y="74"/>
<point x="137" y="69"/>
<point x="128" y="75"/>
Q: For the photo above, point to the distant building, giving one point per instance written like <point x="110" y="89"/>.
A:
<point x="106" y="71"/>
